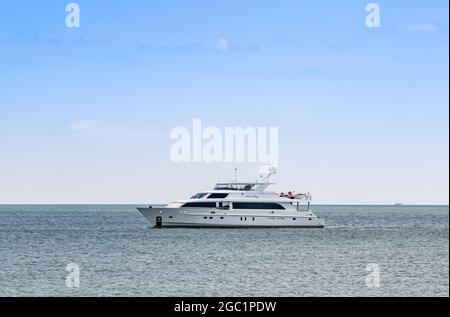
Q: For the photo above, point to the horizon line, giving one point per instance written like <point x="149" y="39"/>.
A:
<point x="137" y="204"/>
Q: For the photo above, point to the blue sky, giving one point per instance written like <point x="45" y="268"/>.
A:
<point x="362" y="112"/>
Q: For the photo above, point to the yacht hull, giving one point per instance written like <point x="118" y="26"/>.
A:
<point x="163" y="217"/>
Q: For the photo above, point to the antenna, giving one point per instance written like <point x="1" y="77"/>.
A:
<point x="235" y="175"/>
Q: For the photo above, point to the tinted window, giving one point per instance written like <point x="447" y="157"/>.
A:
<point x="210" y="205"/>
<point x="199" y="195"/>
<point x="257" y="206"/>
<point x="216" y="195"/>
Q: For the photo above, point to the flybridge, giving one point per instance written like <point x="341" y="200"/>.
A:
<point x="238" y="186"/>
<point x="248" y="186"/>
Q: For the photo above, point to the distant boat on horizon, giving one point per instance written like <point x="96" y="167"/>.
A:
<point x="398" y="204"/>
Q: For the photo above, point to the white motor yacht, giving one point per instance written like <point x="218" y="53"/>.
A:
<point x="236" y="204"/>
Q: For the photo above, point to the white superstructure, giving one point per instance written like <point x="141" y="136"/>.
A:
<point x="236" y="204"/>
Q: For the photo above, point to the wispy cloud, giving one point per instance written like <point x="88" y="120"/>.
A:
<point x="97" y="129"/>
<point x="423" y="27"/>
<point x="224" y="45"/>
<point x="191" y="48"/>
<point x="84" y="125"/>
<point x="221" y="45"/>
<point x="31" y="37"/>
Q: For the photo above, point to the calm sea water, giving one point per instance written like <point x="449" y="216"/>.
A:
<point x="118" y="254"/>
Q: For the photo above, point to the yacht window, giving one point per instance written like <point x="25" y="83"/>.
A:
<point x="207" y="205"/>
<point x="199" y="195"/>
<point x="257" y="206"/>
<point x="217" y="195"/>
<point x="224" y="205"/>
